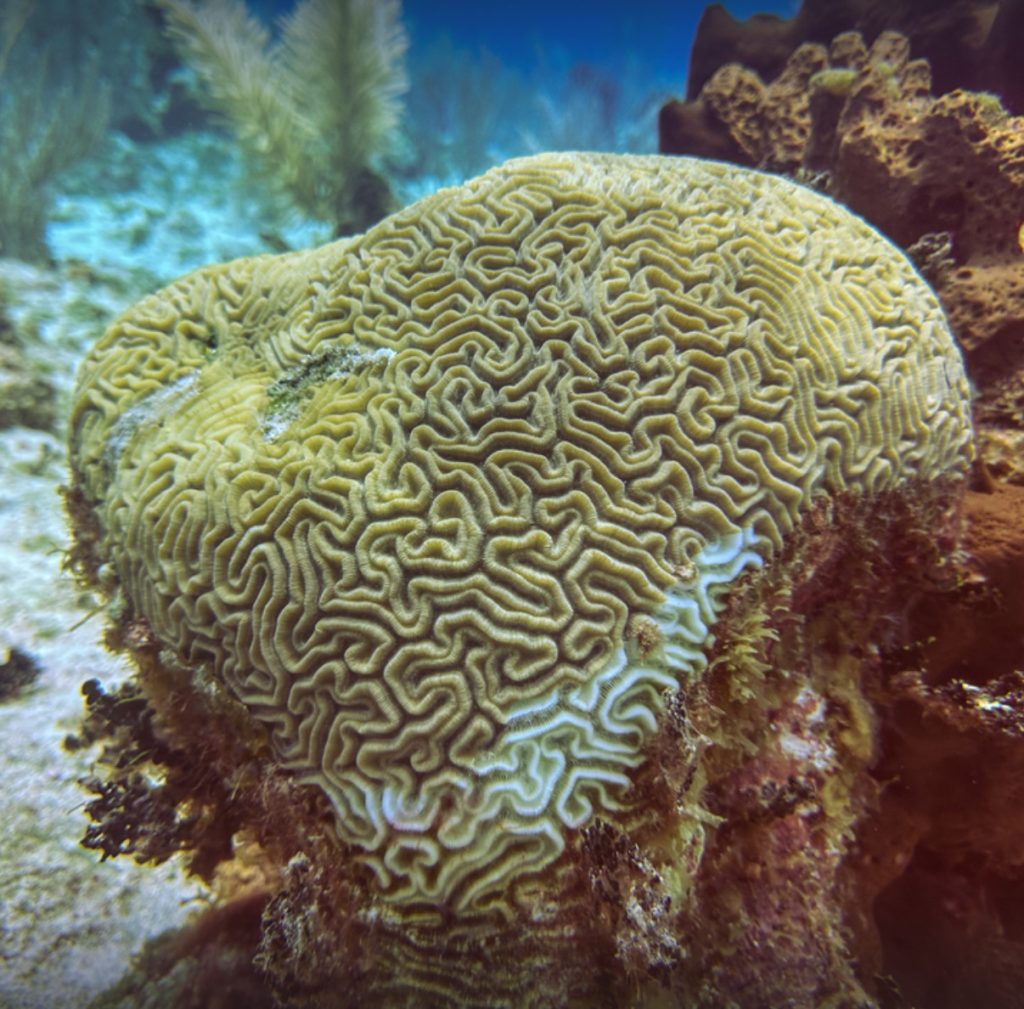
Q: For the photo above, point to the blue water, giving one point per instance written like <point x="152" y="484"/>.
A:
<point x="525" y="33"/>
<point x="658" y="32"/>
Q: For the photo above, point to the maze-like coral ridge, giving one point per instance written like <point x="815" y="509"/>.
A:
<point x="404" y="495"/>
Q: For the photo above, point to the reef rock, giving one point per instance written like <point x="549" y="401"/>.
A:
<point x="27" y="397"/>
<point x="939" y="856"/>
<point x="969" y="43"/>
<point x="503" y="583"/>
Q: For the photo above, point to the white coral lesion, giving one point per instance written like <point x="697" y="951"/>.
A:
<point x="148" y="413"/>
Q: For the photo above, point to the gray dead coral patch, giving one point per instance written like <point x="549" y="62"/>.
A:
<point x="286" y="396"/>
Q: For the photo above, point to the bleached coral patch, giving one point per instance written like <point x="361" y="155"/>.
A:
<point x="560" y="759"/>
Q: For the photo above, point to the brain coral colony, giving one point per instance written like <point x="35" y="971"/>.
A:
<point x="504" y="584"/>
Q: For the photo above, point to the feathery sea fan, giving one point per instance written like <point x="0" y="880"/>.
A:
<point x="313" y="109"/>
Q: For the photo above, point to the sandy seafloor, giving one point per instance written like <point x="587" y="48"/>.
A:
<point x="69" y="923"/>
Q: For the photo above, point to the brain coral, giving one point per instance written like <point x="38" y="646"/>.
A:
<point x="451" y="507"/>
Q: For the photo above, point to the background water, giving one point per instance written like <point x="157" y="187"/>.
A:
<point x="656" y="32"/>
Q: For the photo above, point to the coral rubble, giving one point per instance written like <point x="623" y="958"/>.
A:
<point x="27" y="396"/>
<point x="18" y="671"/>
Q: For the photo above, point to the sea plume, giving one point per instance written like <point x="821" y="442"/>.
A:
<point x="313" y="109"/>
